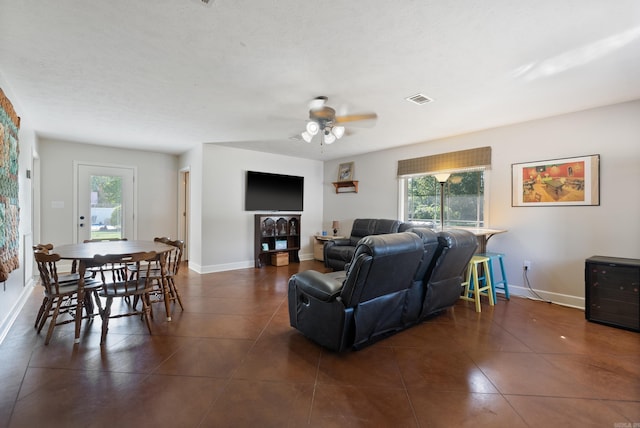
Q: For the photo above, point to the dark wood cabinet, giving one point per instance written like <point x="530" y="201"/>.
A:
<point x="612" y="291"/>
<point x="276" y="234"/>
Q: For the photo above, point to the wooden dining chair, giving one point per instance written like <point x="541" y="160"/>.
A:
<point x="41" y="248"/>
<point x="122" y="276"/>
<point x="72" y="276"/>
<point x="92" y="269"/>
<point x="62" y="279"/>
<point x="173" y="259"/>
<point x="172" y="266"/>
<point x="61" y="297"/>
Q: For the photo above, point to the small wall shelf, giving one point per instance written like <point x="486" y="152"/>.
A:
<point x="350" y="186"/>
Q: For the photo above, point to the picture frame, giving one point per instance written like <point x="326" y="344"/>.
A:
<point x="345" y="171"/>
<point x="556" y="182"/>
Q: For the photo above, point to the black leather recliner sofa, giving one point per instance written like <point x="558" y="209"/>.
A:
<point x="392" y="282"/>
<point x="338" y="252"/>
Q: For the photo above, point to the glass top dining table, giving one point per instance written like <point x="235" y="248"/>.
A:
<point x="85" y="252"/>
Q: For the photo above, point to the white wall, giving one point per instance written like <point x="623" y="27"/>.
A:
<point x="555" y="239"/>
<point x="17" y="288"/>
<point x="227" y="229"/>
<point x="157" y="184"/>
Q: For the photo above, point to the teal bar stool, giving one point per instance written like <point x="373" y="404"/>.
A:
<point x="501" y="284"/>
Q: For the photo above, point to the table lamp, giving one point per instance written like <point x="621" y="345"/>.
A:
<point x="335" y="225"/>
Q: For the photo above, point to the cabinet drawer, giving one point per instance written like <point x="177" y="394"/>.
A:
<point x="616" y="319"/>
<point x="608" y="277"/>
<point x="612" y="291"/>
<point x="615" y="293"/>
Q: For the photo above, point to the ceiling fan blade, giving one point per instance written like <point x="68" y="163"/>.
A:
<point x="356" y="117"/>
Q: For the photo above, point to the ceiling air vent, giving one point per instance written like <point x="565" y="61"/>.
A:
<point x="419" y="99"/>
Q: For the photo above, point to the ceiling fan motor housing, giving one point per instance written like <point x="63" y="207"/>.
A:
<point x="324" y="116"/>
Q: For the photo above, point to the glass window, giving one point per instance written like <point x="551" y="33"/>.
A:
<point x="106" y="207"/>
<point x="463" y="199"/>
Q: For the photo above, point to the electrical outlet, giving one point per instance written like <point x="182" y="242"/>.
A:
<point x="526" y="265"/>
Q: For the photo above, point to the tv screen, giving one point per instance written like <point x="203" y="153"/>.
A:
<point x="273" y="192"/>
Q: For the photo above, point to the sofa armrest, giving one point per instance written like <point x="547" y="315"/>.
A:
<point x="340" y="241"/>
<point x="337" y="252"/>
<point x="318" y="285"/>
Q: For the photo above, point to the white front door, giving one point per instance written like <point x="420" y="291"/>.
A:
<point x="104" y="205"/>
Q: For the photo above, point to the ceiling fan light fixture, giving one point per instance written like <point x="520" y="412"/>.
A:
<point x="323" y="120"/>
<point x="338" y="131"/>
<point x="329" y="138"/>
<point x="306" y="136"/>
<point x="312" y="127"/>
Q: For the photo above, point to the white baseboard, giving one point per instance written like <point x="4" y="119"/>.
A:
<point x="233" y="266"/>
<point x="13" y="313"/>
<point x="557" y="298"/>
<point x="221" y="267"/>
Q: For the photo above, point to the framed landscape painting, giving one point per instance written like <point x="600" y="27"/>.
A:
<point x="556" y="182"/>
<point x="345" y="171"/>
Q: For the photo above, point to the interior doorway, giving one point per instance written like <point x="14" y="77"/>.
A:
<point x="183" y="210"/>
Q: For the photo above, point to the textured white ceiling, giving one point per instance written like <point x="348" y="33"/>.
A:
<point x="165" y="75"/>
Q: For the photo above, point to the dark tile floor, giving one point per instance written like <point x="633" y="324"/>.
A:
<point x="232" y="360"/>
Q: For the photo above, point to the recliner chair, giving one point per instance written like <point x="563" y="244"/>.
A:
<point x="443" y="282"/>
<point x="368" y="304"/>
<point x="338" y="252"/>
<point x="438" y="281"/>
<point x="415" y="297"/>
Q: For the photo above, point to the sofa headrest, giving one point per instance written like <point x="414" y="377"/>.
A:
<point x="362" y="227"/>
<point x="457" y="247"/>
<point x="427" y="235"/>
<point x="389" y="243"/>
<point x="383" y="225"/>
<point x="457" y="238"/>
<point x="371" y="226"/>
<point x="382" y="264"/>
<point x="407" y="226"/>
<point x="430" y="242"/>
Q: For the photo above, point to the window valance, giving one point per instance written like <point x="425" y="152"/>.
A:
<point x="460" y="160"/>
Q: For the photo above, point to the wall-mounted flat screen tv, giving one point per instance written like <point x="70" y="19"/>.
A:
<point x="273" y="192"/>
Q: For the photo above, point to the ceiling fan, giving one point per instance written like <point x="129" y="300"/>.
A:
<point x="323" y="120"/>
